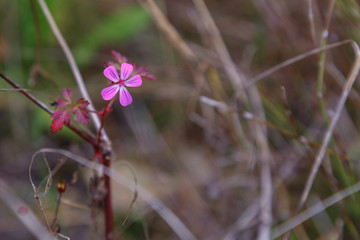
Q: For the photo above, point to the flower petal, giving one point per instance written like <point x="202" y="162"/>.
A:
<point x="125" y="97"/>
<point x="109" y="92"/>
<point x="111" y="73"/>
<point x="135" y="81"/>
<point x="126" y="70"/>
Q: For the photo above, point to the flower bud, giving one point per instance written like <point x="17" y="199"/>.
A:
<point x="61" y="186"/>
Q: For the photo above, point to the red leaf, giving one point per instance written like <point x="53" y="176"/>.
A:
<point x="61" y="104"/>
<point x="59" y="118"/>
<point x="82" y="116"/>
<point x="68" y="96"/>
<point x="82" y="103"/>
<point x="82" y="113"/>
<point x="67" y="107"/>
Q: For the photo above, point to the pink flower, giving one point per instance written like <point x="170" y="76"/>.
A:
<point x="120" y="82"/>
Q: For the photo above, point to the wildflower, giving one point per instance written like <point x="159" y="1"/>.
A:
<point x="120" y="82"/>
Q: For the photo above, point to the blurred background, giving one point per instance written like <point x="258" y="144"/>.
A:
<point x="184" y="135"/>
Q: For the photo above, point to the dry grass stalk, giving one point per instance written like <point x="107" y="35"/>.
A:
<point x="310" y="15"/>
<point x="327" y="137"/>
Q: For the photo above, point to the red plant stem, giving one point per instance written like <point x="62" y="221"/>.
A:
<point x="105" y="112"/>
<point x="43" y="106"/>
<point x="106" y="160"/>
<point x="108" y="212"/>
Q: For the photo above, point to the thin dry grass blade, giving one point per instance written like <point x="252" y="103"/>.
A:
<point x="37" y="189"/>
<point x="312" y="211"/>
<point x="310" y="15"/>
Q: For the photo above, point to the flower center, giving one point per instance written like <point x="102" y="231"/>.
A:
<point x="121" y="82"/>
